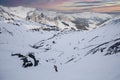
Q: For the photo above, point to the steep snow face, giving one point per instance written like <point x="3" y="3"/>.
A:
<point x="78" y="55"/>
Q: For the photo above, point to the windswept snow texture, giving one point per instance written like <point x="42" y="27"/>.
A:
<point x="30" y="54"/>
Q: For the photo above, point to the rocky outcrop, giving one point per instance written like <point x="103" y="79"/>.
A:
<point x="111" y="47"/>
<point x="26" y="61"/>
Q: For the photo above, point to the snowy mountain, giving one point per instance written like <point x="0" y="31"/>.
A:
<point x="8" y="16"/>
<point x="82" y="21"/>
<point x="18" y="11"/>
<point x="28" y="52"/>
<point x="57" y="20"/>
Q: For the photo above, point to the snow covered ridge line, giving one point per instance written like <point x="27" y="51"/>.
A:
<point x="9" y="18"/>
<point x="52" y="20"/>
<point x="18" y="11"/>
<point x="83" y="21"/>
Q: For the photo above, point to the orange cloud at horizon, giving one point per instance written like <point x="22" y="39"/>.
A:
<point x="106" y="8"/>
<point x="61" y="6"/>
<point x="69" y="6"/>
<point x="65" y="6"/>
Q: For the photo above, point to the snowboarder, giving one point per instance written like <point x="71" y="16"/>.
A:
<point x="55" y="67"/>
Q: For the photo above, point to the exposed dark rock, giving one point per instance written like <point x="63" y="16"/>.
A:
<point x="53" y="42"/>
<point x="113" y="49"/>
<point x="81" y="23"/>
<point x="70" y="60"/>
<point x="33" y="57"/>
<point x="65" y="24"/>
<point x="26" y="61"/>
<point x="18" y="54"/>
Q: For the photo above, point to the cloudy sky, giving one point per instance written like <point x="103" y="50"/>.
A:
<point x="68" y="5"/>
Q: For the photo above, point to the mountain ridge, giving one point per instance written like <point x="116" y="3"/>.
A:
<point x="78" y="21"/>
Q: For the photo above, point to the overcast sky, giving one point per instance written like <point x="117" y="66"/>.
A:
<point x="67" y="5"/>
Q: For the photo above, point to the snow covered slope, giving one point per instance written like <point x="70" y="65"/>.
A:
<point x="83" y="43"/>
<point x="78" y="55"/>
